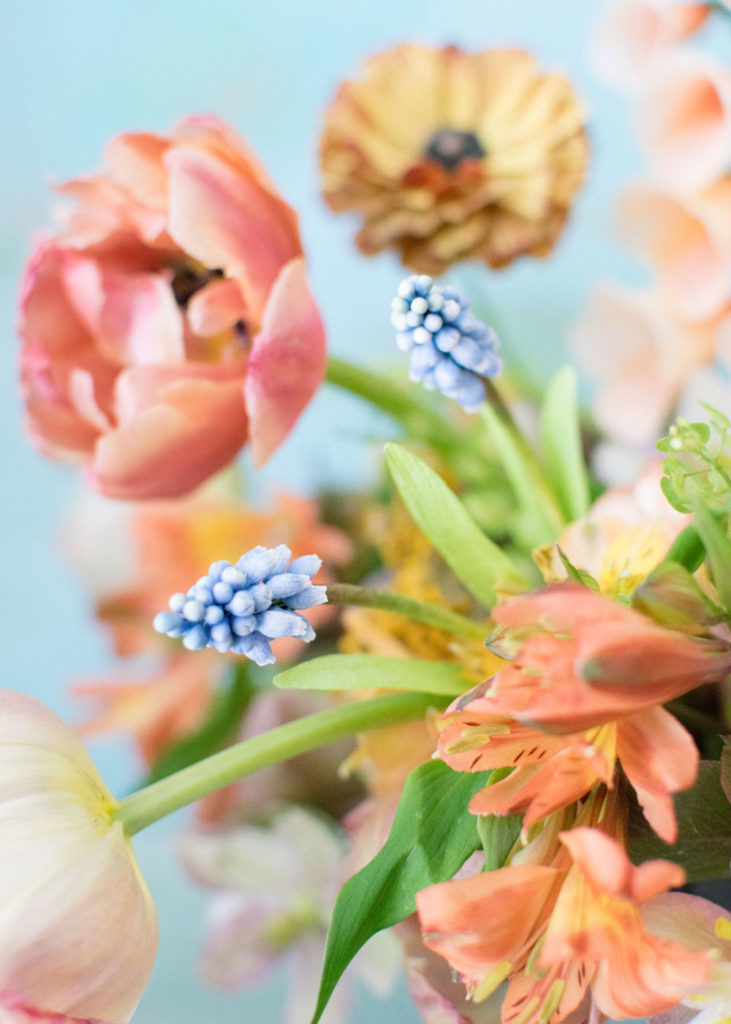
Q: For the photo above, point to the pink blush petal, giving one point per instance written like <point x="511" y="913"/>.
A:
<point x="694" y="270"/>
<point x="224" y="219"/>
<point x="196" y="428"/>
<point x="141" y="387"/>
<point x="139" y="322"/>
<point x="135" y="161"/>
<point x="216" y="308"/>
<point x="287" y="362"/>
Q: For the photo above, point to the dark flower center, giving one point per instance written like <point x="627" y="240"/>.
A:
<point x="187" y="281"/>
<point x="449" y="147"/>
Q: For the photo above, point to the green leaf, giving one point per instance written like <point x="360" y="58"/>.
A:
<point x="441" y="516"/>
<point x="432" y="836"/>
<point x="561" y="442"/>
<point x="718" y="548"/>
<point x="374" y="672"/>
<point x="225" y="713"/>
<point x="541" y="514"/>
<point x="704" y="829"/>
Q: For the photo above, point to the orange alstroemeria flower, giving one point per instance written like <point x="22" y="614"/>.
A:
<point x="594" y="722"/>
<point x="575" y="927"/>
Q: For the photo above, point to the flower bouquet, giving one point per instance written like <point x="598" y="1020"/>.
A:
<point x="501" y="763"/>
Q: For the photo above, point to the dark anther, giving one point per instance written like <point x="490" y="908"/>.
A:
<point x="449" y="148"/>
<point x="242" y="334"/>
<point x="187" y="281"/>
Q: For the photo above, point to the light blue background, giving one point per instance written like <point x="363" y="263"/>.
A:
<point x="76" y="73"/>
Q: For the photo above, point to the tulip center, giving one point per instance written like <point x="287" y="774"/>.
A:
<point x="187" y="280"/>
<point x="450" y="148"/>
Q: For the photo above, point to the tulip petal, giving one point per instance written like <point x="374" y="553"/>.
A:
<point x="287" y="362"/>
<point x="224" y="219"/>
<point x="157" y="449"/>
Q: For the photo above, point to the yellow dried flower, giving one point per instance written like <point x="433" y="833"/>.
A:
<point x="451" y="156"/>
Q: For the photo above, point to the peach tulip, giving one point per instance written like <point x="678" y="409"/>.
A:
<point x="170" y="320"/>
<point x="78" y="933"/>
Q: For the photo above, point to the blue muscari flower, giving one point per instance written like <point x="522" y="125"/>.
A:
<point x="450" y="349"/>
<point x="240" y="608"/>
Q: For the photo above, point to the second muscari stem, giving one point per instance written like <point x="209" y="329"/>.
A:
<point x="420" y="611"/>
<point x="153" y="802"/>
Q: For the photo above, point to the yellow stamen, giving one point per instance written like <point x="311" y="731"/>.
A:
<point x="489" y="983"/>
<point x="552" y="1001"/>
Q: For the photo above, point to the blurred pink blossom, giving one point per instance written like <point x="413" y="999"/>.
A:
<point x="632" y="34"/>
<point x="683" y="120"/>
<point x="170" y="320"/>
<point x="641" y="356"/>
<point x="276" y="889"/>
<point x="686" y="241"/>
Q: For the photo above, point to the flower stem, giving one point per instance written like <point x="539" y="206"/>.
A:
<point x="420" y="611"/>
<point x="415" y="415"/>
<point x="153" y="802"/>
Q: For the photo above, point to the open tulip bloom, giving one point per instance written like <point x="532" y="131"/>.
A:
<point x="502" y="750"/>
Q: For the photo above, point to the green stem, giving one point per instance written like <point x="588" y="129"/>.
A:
<point x="146" y="806"/>
<point x="382" y="393"/>
<point x="420" y="611"/>
<point x="687" y="549"/>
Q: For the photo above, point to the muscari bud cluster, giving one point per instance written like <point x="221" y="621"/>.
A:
<point x="240" y="608"/>
<point x="450" y="349"/>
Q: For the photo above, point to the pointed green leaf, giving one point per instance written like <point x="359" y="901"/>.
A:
<point x="432" y="836"/>
<point x="374" y="672"/>
<point x="561" y="442"/>
<point x="540" y="513"/>
<point x="438" y="512"/>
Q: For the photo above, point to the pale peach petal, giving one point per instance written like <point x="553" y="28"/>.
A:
<point x="215" y="308"/>
<point x="159" y="452"/>
<point x="684" y="120"/>
<point x="287" y="362"/>
<point x="659" y="757"/>
<point x="78" y="930"/>
<point x="224" y="219"/>
<point x="479" y="922"/>
<point x="647" y="976"/>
